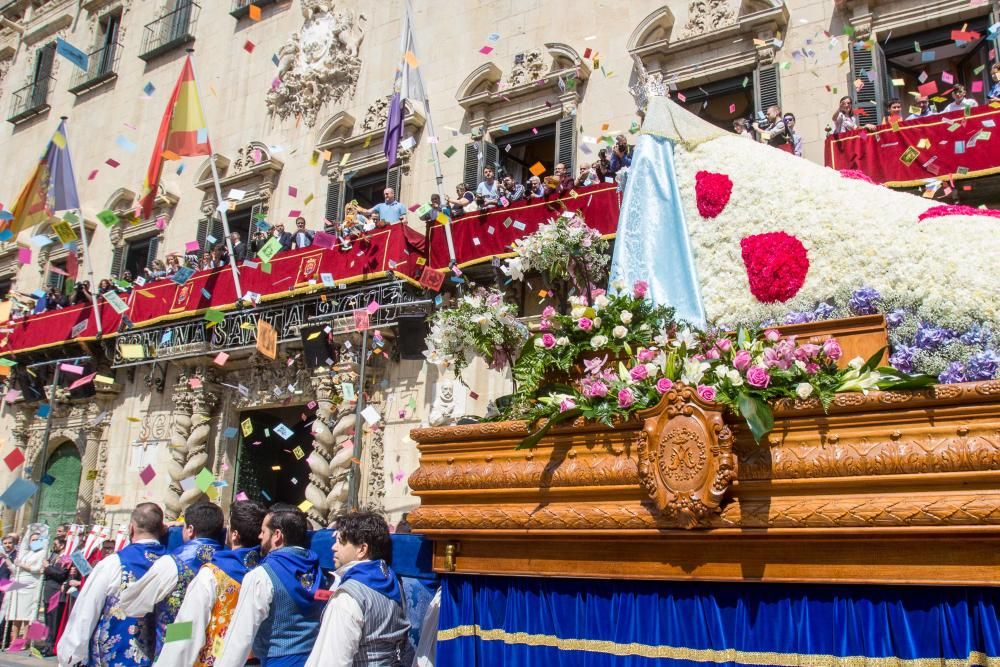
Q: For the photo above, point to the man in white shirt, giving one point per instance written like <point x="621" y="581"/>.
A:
<point x="211" y="597"/>
<point x="162" y="588"/>
<point x="487" y="194"/>
<point x="117" y="639"/>
<point x="959" y="102"/>
<point x="277" y="614"/>
<point x="365" y="621"/>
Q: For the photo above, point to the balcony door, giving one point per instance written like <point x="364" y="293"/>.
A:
<point x="176" y="25"/>
<point x="110" y="25"/>
<point x="43" y="72"/>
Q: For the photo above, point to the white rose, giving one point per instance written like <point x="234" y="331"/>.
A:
<point x="538" y="342"/>
<point x="562" y="340"/>
<point x="734" y="378"/>
<point x="601" y="301"/>
<point x="626" y="317"/>
<point x="856" y="363"/>
<point x="578" y="312"/>
<point x="619" y="285"/>
<point x="619" y="331"/>
<point x="597" y="322"/>
<point x="598" y="342"/>
<point x="804" y="390"/>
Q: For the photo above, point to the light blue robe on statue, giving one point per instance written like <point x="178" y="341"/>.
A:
<point x="652" y="243"/>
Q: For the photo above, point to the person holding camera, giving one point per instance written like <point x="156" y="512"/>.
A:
<point x="772" y="127"/>
<point x="465" y="198"/>
<point x="510" y="190"/>
<point x="488" y="193"/>
<point x="81" y="293"/>
<point x="603" y="165"/>
<point x="621" y="155"/>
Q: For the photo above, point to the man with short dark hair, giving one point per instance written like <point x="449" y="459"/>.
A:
<point x="97" y="632"/>
<point x="211" y="597"/>
<point x="277" y="614"/>
<point x="301" y="237"/>
<point x="162" y="588"/>
<point x="365" y="621"/>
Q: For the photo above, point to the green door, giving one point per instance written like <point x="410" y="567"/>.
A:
<point x="58" y="500"/>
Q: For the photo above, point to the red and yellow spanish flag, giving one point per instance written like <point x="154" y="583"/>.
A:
<point x="182" y="134"/>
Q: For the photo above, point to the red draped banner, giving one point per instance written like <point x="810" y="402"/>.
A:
<point x="481" y="236"/>
<point x="948" y="146"/>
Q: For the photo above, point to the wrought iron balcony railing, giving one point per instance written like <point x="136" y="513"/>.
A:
<point x="102" y="66"/>
<point x="241" y="8"/>
<point x="170" y="30"/>
<point x="31" y="100"/>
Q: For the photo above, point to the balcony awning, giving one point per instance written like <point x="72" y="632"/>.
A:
<point x="947" y="147"/>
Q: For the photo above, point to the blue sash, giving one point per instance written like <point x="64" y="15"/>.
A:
<point x="376" y="575"/>
<point x="298" y="570"/>
<point x="237" y="562"/>
<point x="129" y="642"/>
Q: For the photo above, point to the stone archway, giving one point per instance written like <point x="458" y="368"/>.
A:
<point x="60" y="485"/>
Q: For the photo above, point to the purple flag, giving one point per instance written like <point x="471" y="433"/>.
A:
<point x="62" y="183"/>
<point x="393" y="130"/>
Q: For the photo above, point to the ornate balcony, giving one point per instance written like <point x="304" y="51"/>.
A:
<point x="170" y="31"/>
<point x="102" y="66"/>
<point x="241" y="8"/>
<point x="30" y="101"/>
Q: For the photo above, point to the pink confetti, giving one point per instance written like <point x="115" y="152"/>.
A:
<point x="147" y="475"/>
<point x="92" y="176"/>
<point x="111" y="162"/>
<point x="292" y="191"/>
<point x="242" y="496"/>
<point x="53" y="601"/>
<point x="294" y="213"/>
<point x="486" y="50"/>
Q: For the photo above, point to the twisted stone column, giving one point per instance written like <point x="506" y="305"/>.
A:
<point x="330" y="463"/>
<point x="87" y="500"/>
<point x="188" y="440"/>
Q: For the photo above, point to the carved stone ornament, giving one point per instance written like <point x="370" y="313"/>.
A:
<point x="377" y="115"/>
<point x="319" y="63"/>
<point x="528" y="66"/>
<point x="686" y="461"/>
<point x="706" y="16"/>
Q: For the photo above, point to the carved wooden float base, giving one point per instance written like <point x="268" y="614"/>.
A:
<point x="892" y="487"/>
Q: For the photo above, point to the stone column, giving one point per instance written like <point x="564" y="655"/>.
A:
<point x="87" y="500"/>
<point x="329" y="462"/>
<point x="188" y="439"/>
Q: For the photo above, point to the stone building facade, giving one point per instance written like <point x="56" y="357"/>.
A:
<point x="295" y="98"/>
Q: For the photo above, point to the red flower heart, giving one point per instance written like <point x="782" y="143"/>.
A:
<point x="777" y="264"/>
<point x="713" y="191"/>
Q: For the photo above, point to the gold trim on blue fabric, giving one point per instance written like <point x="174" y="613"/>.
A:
<point x="711" y="656"/>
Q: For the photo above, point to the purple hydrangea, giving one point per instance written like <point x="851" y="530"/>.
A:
<point x="902" y="358"/>
<point x="864" y="301"/>
<point x="930" y="337"/>
<point x="895" y="318"/>
<point x="955" y="372"/>
<point x="796" y="317"/>
<point x="978" y="336"/>
<point x="982" y="366"/>
<point x="824" y="311"/>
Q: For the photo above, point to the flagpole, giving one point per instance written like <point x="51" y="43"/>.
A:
<point x="438" y="175"/>
<point x="87" y="266"/>
<point x="218" y="196"/>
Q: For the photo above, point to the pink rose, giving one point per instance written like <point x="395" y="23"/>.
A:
<point x="741" y="360"/>
<point x="806" y="351"/>
<point x="706" y="393"/>
<point x="639" y="373"/>
<point x="772" y="335"/>
<point x="812" y="368"/>
<point x="758" y="376"/>
<point x="566" y="404"/>
<point x="548" y="311"/>
<point x="585" y="323"/>
<point x="548" y="340"/>
<point x="640" y="288"/>
<point x="596" y="292"/>
<point x="595" y="389"/>
<point x="712" y="353"/>
<point x="646" y="354"/>
<point x="831" y="348"/>
<point x="625" y="398"/>
<point x="724" y="344"/>
<point x="663" y="385"/>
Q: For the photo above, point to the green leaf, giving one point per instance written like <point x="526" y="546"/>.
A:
<point x="742" y="338"/>
<point x="535" y="437"/>
<point x="873" y="360"/>
<point x="893" y="379"/>
<point x="758" y="415"/>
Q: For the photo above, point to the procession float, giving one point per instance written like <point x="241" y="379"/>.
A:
<point x="767" y="432"/>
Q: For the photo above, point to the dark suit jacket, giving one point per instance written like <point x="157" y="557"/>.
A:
<point x="240" y="252"/>
<point x="285" y="239"/>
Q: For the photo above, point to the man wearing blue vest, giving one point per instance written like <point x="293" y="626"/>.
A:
<point x="277" y="615"/>
<point x="163" y="587"/>
<point x="365" y="622"/>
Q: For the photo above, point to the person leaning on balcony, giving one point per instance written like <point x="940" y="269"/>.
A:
<point x="925" y="106"/>
<point x="959" y="101"/>
<point x="488" y="190"/>
<point x="465" y="199"/>
<point x="301" y="237"/>
<point x="535" y="188"/>
<point x="588" y="176"/>
<point x="845" y="119"/>
<point x="390" y="210"/>
<point x="511" y="190"/>
<point x="995" y="89"/>
<point x="893" y="111"/>
<point x="239" y="247"/>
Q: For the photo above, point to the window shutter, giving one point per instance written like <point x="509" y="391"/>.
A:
<point x="472" y="171"/>
<point x="869" y="98"/>
<point x="491" y="156"/>
<point x="335" y="201"/>
<point x="393" y="180"/>
<point x="766" y="87"/>
<point x="218" y="231"/>
<point x="566" y="143"/>
<point x="54" y="279"/>
<point x="256" y="214"/>
<point x="154" y="246"/>
<point x="116" y="261"/>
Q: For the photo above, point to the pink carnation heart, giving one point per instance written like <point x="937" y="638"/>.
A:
<point x="776" y="264"/>
<point x="713" y="192"/>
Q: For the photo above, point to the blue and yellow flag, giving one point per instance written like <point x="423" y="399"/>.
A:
<point x="51" y="187"/>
